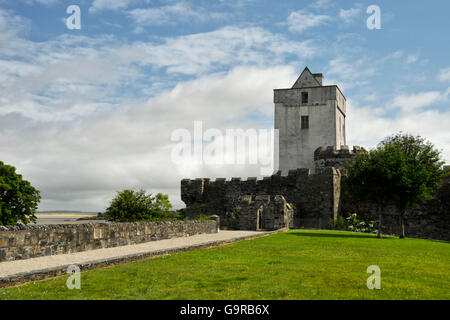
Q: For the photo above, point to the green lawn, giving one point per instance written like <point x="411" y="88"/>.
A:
<point x="291" y="265"/>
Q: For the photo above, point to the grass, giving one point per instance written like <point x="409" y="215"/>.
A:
<point x="291" y="265"/>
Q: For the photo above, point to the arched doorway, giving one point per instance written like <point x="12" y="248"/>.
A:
<point x="260" y="218"/>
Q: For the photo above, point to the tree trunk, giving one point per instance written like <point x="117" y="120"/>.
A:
<point x="402" y="223"/>
<point x="379" y="234"/>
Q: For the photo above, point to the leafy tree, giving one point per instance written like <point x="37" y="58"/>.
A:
<point x="366" y="180"/>
<point x="133" y="206"/>
<point x="18" y="199"/>
<point x="404" y="170"/>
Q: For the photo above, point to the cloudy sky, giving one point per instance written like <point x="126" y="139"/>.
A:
<point x="85" y="113"/>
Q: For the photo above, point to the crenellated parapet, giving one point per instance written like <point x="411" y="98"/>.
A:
<point x="331" y="157"/>
<point x="314" y="194"/>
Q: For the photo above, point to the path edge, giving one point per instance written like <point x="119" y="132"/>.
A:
<point x="37" y="275"/>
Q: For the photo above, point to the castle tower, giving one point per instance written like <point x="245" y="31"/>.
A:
<point x="308" y="116"/>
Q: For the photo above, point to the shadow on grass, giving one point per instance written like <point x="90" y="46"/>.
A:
<point x="324" y="234"/>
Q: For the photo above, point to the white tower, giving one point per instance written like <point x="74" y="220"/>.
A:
<point x="308" y="116"/>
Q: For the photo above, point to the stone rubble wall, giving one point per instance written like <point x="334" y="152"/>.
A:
<point x="315" y="197"/>
<point x="429" y="221"/>
<point x="275" y="213"/>
<point x="24" y="242"/>
<point x="330" y="157"/>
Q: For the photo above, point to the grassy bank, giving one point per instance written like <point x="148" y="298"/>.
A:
<point x="290" y="265"/>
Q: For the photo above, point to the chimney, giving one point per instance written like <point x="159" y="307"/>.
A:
<point x="319" y="77"/>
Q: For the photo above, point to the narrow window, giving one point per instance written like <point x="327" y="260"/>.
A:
<point x="304" y="97"/>
<point x="305" y="122"/>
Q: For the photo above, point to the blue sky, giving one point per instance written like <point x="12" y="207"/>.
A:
<point x="84" y="113"/>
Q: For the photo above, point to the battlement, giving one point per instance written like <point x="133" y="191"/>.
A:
<point x="329" y="157"/>
<point x="331" y="152"/>
<point x="297" y="173"/>
<point x="314" y="194"/>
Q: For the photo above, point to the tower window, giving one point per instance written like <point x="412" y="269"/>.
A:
<point x="304" y="97"/>
<point x="305" y="122"/>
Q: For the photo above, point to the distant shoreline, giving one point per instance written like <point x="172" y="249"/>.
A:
<point x="65" y="215"/>
<point x="65" y="212"/>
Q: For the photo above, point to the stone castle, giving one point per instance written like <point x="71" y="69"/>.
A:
<point x="308" y="190"/>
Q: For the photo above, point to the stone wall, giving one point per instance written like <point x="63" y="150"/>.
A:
<point x="23" y="242"/>
<point x="330" y="157"/>
<point x="265" y="213"/>
<point x="315" y="197"/>
<point x="429" y="221"/>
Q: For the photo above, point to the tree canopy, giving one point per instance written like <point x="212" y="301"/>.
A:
<point x="18" y="199"/>
<point x="403" y="170"/>
<point x="133" y="206"/>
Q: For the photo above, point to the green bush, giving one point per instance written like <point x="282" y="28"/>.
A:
<point x="134" y="206"/>
<point x="203" y="217"/>
<point x="18" y="199"/>
<point x="179" y="215"/>
<point x="352" y="223"/>
<point x="338" y="224"/>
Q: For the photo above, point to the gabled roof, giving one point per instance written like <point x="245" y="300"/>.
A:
<point x="306" y="79"/>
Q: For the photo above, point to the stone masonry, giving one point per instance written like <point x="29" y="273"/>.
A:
<point x="315" y="198"/>
<point x="271" y="212"/>
<point x="23" y="242"/>
<point x="330" y="157"/>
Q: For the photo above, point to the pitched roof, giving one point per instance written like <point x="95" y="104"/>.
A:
<point x="306" y="79"/>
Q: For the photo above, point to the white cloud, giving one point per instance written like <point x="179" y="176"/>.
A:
<point x="11" y="26"/>
<point x="47" y="2"/>
<point x="99" y="5"/>
<point x="67" y="126"/>
<point x="210" y="51"/>
<point x="348" y="15"/>
<point x="350" y="73"/>
<point x="444" y="75"/>
<point x="409" y="102"/>
<point x="83" y="163"/>
<point x="170" y="14"/>
<point x="299" y="21"/>
<point x="30" y="2"/>
<point x="367" y="127"/>
<point x="371" y="97"/>
<point x="412" y="58"/>
<point x="322" y="4"/>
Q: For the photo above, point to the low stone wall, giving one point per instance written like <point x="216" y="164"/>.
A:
<point x="24" y="242"/>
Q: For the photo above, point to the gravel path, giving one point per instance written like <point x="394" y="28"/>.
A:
<point x="11" y="268"/>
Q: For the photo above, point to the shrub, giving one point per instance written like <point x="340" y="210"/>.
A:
<point x="352" y="223"/>
<point x="133" y="206"/>
<point x="203" y="217"/>
<point x="179" y="214"/>
<point x="338" y="224"/>
<point x="18" y="199"/>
